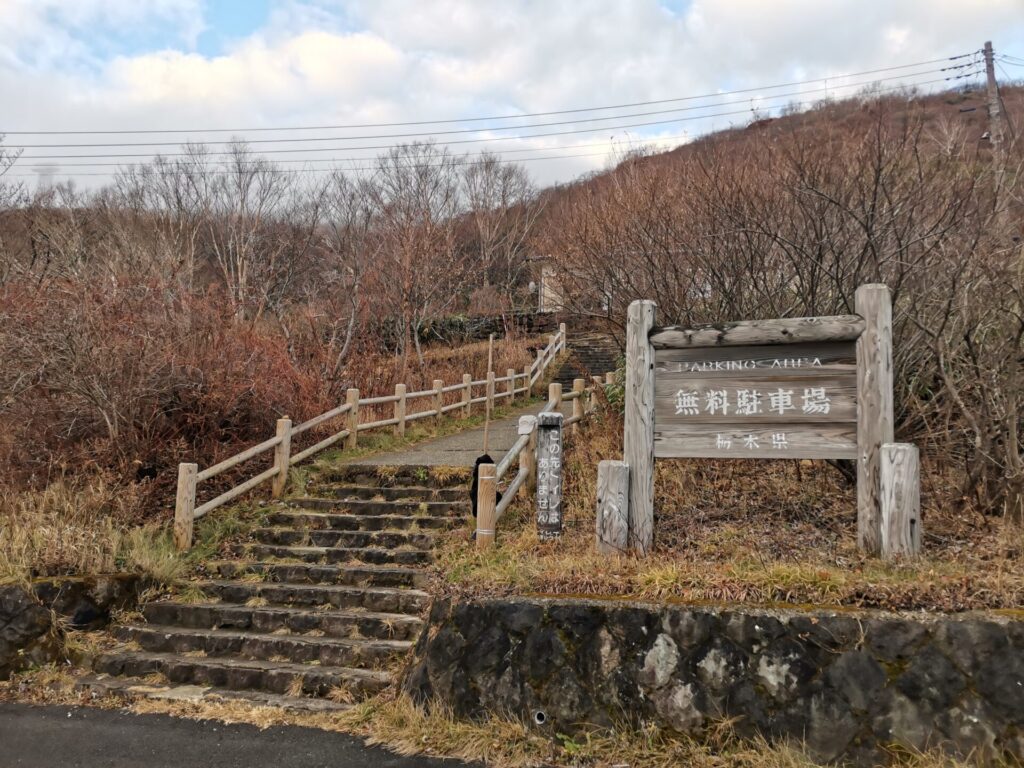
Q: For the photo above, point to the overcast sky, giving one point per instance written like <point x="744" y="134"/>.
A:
<point x="192" y="64"/>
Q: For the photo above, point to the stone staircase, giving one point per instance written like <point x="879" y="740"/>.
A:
<point x="589" y="354"/>
<point x="316" y="612"/>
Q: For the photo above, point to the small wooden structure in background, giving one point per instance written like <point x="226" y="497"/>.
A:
<point x="802" y="388"/>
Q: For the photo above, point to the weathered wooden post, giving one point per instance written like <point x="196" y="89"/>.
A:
<point x="438" y="401"/>
<point x="400" y="410"/>
<point x="555" y="394"/>
<point x="900" y="495"/>
<point x="578" y="385"/>
<point x="638" y="437"/>
<point x="561" y="337"/>
<point x="549" y="474"/>
<point x="352" y="399"/>
<point x="874" y="408"/>
<point x="612" y="507"/>
<point x="609" y="378"/>
<point x="282" y="453"/>
<point x="467" y="395"/>
<point x="184" y="506"/>
<point x="511" y="389"/>
<point x="486" y="502"/>
<point x="528" y="456"/>
<point x="490" y="392"/>
<point x="529" y="386"/>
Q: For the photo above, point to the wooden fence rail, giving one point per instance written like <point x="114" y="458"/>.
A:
<point x="524" y="450"/>
<point x="353" y="409"/>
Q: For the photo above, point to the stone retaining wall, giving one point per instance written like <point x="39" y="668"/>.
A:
<point x="846" y="683"/>
<point x="31" y="618"/>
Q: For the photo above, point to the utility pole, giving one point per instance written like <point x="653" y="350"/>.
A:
<point x="999" y="129"/>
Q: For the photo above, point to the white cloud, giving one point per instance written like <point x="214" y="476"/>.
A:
<point x="330" y="62"/>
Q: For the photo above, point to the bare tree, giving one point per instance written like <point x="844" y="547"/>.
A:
<point x="503" y="207"/>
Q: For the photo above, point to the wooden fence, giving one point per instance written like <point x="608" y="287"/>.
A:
<point x="524" y="451"/>
<point x="354" y="409"/>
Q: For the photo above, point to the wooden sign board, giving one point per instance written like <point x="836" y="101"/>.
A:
<point x="549" y="475"/>
<point x="799" y="388"/>
<point x="795" y="401"/>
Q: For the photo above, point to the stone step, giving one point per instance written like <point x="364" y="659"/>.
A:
<point x="391" y="540"/>
<point x="306" y="573"/>
<point x="244" y="674"/>
<point x="404" y="476"/>
<point x="133" y="688"/>
<point x="349" y="522"/>
<point x="366" y="555"/>
<point x="414" y="493"/>
<point x="380" y="599"/>
<point x="330" y="652"/>
<point x="274" y="618"/>
<point x="377" y="508"/>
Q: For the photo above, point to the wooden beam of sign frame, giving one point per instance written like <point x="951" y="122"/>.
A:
<point x="795" y="330"/>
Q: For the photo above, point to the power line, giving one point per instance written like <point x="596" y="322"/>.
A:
<point x="460" y="160"/>
<point x="417" y="134"/>
<point x="484" y="140"/>
<point x="485" y="118"/>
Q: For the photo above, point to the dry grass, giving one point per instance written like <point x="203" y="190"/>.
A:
<point x="398" y="724"/>
<point x="753" y="532"/>
<point x="75" y="527"/>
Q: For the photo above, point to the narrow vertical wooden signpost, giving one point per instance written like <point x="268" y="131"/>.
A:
<point x="874" y="409"/>
<point x="549" y="475"/>
<point x="510" y="390"/>
<point x="638" y="438"/>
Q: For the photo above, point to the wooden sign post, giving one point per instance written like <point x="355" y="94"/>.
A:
<point x="802" y="388"/>
<point x="549" y="475"/>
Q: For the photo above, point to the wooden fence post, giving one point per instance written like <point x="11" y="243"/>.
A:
<point x="490" y="392"/>
<point x="184" y="506"/>
<point x="528" y="456"/>
<point x="529" y="387"/>
<point x="874" y="409"/>
<point x="467" y="395"/>
<point x="555" y="394"/>
<point x="282" y="453"/>
<point x="900" y="489"/>
<point x="400" y="410"/>
<point x="578" y="386"/>
<point x="561" y="336"/>
<point x="438" y="400"/>
<point x="352" y="398"/>
<point x="530" y="483"/>
<point x="612" y="507"/>
<point x="638" y="437"/>
<point x="486" y="501"/>
<point x="511" y="373"/>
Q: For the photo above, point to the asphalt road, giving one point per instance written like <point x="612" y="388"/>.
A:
<point x="77" y="737"/>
